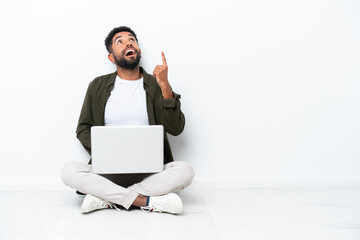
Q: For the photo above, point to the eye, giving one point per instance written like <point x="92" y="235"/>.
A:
<point x="119" y="42"/>
<point x="132" y="40"/>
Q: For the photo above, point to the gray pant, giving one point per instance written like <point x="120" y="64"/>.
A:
<point x="123" y="189"/>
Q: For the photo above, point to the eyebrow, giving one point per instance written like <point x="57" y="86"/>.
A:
<point x="121" y="36"/>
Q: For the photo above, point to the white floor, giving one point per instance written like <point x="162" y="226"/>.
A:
<point x="284" y="213"/>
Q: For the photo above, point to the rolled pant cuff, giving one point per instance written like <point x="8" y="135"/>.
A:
<point x="129" y="199"/>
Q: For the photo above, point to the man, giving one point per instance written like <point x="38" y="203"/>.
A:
<point x="130" y="96"/>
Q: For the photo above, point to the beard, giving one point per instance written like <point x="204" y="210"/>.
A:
<point x="127" y="64"/>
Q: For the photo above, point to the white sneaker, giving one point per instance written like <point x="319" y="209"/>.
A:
<point x="170" y="203"/>
<point x="92" y="203"/>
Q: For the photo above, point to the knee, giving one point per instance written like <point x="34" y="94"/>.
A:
<point x="69" y="170"/>
<point x="190" y="174"/>
<point x="186" y="173"/>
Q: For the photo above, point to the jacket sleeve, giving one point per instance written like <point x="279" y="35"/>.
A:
<point x="85" y="121"/>
<point x="173" y="118"/>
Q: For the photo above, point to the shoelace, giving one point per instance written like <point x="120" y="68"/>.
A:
<point x="112" y="205"/>
<point x="164" y="205"/>
<point x="105" y="204"/>
<point x="99" y="204"/>
<point x="147" y="209"/>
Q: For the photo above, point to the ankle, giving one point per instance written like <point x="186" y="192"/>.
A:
<point x="141" y="201"/>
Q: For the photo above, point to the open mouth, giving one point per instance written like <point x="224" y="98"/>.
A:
<point x="129" y="52"/>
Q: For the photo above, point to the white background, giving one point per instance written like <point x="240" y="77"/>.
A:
<point x="270" y="89"/>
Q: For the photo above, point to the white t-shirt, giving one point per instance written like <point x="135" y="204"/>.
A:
<point x="126" y="104"/>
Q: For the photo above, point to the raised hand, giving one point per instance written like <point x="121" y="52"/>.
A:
<point x="161" y="74"/>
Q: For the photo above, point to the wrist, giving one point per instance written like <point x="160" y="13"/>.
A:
<point x="165" y="87"/>
<point x="167" y="91"/>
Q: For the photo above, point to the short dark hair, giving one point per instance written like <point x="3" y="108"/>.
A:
<point x="108" y="39"/>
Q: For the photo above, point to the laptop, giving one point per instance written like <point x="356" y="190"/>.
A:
<point x="127" y="149"/>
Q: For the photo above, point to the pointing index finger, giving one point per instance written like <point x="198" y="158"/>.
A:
<point x="163" y="59"/>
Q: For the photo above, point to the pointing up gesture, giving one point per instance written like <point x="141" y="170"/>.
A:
<point x="161" y="74"/>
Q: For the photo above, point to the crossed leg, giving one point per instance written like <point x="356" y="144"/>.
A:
<point x="175" y="176"/>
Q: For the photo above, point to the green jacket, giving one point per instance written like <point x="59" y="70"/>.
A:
<point x="160" y="111"/>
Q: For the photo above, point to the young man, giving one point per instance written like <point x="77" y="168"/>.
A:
<point x="130" y="96"/>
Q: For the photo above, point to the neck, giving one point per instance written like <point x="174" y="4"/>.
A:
<point x="127" y="74"/>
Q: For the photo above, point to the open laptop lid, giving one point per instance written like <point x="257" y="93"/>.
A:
<point x="127" y="149"/>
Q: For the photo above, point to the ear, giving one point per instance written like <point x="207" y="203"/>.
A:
<point x="140" y="52"/>
<point x="111" y="57"/>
